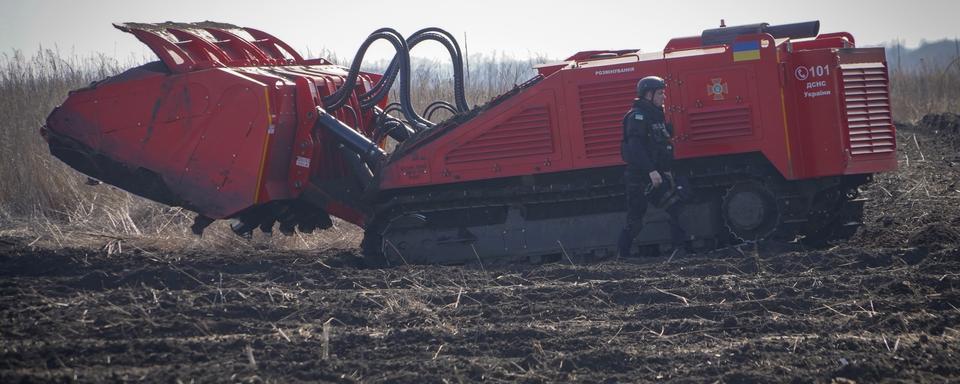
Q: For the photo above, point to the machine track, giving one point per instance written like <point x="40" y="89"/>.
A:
<point x="527" y="220"/>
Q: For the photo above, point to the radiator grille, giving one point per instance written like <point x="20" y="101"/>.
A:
<point x="526" y="133"/>
<point x="602" y="107"/>
<point x="720" y="124"/>
<point x="867" y="106"/>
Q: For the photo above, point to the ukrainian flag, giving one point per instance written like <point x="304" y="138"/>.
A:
<point x="746" y="50"/>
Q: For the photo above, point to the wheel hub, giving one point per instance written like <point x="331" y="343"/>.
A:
<point x="746" y="210"/>
<point x="750" y="211"/>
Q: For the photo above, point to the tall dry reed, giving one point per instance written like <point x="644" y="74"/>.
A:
<point x="925" y="89"/>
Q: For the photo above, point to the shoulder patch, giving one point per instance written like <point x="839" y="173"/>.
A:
<point x="638" y="116"/>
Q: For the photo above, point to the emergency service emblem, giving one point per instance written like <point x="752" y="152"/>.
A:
<point x="717" y="88"/>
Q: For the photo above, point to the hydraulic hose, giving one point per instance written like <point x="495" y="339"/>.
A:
<point x="341" y="95"/>
<point x="388" y="125"/>
<point x="382" y="87"/>
<point x="418" y="122"/>
<point x="438" y="105"/>
<point x="353" y="114"/>
<point x="394" y="106"/>
<point x="456" y="57"/>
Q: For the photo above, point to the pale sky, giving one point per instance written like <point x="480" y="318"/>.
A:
<point x="554" y="29"/>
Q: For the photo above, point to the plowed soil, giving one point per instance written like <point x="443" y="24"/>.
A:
<point x="885" y="305"/>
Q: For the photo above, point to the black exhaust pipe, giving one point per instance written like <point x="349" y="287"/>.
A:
<point x="795" y="30"/>
<point x="726" y="35"/>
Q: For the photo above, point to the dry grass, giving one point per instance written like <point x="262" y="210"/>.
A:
<point x="41" y="196"/>
<point x="34" y="183"/>
<point x="925" y="89"/>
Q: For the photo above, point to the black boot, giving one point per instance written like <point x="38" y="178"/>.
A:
<point x="624" y="243"/>
<point x="678" y="245"/>
<point x="678" y="237"/>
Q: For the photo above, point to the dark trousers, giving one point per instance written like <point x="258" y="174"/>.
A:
<point x="636" y="184"/>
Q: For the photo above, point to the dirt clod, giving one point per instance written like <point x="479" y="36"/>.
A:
<point x="935" y="236"/>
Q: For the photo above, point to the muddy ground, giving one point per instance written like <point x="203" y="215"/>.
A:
<point x="885" y="305"/>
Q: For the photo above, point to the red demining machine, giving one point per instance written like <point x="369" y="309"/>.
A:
<point x="775" y="127"/>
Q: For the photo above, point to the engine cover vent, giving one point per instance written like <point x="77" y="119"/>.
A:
<point x="720" y="123"/>
<point x="602" y="107"/>
<point x="524" y="134"/>
<point x="867" y="106"/>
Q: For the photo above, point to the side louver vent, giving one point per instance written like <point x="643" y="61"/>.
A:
<point x="720" y="124"/>
<point x="867" y="105"/>
<point x="602" y="107"/>
<point x="526" y="133"/>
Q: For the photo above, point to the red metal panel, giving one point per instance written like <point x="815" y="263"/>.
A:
<point x="597" y="98"/>
<point x="523" y="138"/>
<point x="588" y="55"/>
<point x="824" y="42"/>
<point x="767" y="105"/>
<point x="307" y="157"/>
<point x="680" y="43"/>
<point x="867" y="110"/>
<point x="727" y="106"/>
<point x="602" y="106"/>
<point x="239" y="48"/>
<point x="527" y="133"/>
<point x="200" y="46"/>
<point x="871" y="136"/>
<point x="813" y="86"/>
<point x="192" y="46"/>
<point x="276" y="48"/>
<point x="719" y="109"/>
<point x="302" y="160"/>
<point x="839" y="35"/>
<point x="173" y="56"/>
<point x="223" y="167"/>
<point x="203" y="133"/>
<point x="716" y="124"/>
<point x="522" y="120"/>
<point x="273" y="173"/>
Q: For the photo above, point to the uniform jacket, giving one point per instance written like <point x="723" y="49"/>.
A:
<point x="646" y="144"/>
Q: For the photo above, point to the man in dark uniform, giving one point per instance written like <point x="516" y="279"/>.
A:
<point x="648" y="151"/>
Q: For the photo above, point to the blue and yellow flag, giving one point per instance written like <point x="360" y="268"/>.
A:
<point x="746" y="50"/>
